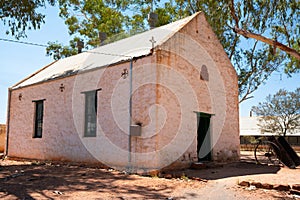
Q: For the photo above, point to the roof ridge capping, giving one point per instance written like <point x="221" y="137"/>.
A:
<point x="172" y="28"/>
<point x="181" y="23"/>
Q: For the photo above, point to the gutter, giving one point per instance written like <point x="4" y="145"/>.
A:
<point x="7" y="122"/>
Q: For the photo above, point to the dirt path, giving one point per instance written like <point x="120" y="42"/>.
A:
<point x="31" y="180"/>
<point x="223" y="181"/>
<point x="227" y="189"/>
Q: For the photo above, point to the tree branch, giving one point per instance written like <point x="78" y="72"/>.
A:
<point x="249" y="90"/>
<point x="232" y="48"/>
<point x="287" y="34"/>
<point x="245" y="97"/>
<point x="232" y="12"/>
<point x="191" y="6"/>
<point x="274" y="43"/>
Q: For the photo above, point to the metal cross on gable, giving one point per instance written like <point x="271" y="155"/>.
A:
<point x="62" y="87"/>
<point x="152" y="41"/>
<point x="124" y="74"/>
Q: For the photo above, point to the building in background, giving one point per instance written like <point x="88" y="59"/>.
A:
<point x="249" y="130"/>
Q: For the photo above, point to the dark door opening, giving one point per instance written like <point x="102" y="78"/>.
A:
<point x="203" y="137"/>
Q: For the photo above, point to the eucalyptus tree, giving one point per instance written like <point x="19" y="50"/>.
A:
<point x="280" y="113"/>
<point x="259" y="37"/>
<point x="20" y="16"/>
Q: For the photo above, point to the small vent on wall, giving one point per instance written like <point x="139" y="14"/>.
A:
<point x="204" y="73"/>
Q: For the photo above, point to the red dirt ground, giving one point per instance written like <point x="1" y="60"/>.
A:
<point x="34" y="180"/>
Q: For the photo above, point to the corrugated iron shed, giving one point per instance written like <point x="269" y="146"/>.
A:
<point x="123" y="50"/>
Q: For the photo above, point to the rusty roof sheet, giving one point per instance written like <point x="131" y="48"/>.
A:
<point x="123" y="50"/>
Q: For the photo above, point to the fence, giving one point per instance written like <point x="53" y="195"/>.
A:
<point x="248" y="143"/>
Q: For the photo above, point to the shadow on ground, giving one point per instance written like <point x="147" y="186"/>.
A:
<point x="64" y="181"/>
<point x="57" y="181"/>
<point x="231" y="170"/>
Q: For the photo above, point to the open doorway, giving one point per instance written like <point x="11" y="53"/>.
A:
<point x="203" y="137"/>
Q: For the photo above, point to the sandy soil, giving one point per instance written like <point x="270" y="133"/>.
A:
<point x="34" y="180"/>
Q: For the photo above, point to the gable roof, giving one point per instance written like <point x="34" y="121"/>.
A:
<point x="123" y="50"/>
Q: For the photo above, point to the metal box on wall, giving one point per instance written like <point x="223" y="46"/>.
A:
<point x="135" y="130"/>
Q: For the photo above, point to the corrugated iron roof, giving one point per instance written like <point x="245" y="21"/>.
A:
<point x="122" y="50"/>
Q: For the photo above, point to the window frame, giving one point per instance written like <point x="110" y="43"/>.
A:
<point x="38" y="118"/>
<point x="90" y="113"/>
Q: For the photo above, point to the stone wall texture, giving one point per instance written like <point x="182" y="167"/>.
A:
<point x="187" y="74"/>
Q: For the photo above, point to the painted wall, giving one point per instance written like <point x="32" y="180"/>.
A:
<point x="187" y="74"/>
<point x="63" y="125"/>
<point x="196" y="65"/>
<point x="223" y="90"/>
<point x="60" y="140"/>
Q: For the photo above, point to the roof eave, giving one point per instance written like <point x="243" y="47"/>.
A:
<point x="16" y="87"/>
<point x="32" y="75"/>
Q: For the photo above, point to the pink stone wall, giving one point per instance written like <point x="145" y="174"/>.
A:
<point x="189" y="73"/>
<point x="60" y="140"/>
<point x="223" y="86"/>
<point x="196" y="54"/>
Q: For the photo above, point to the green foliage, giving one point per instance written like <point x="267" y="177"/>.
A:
<point x="184" y="177"/>
<point x="22" y="15"/>
<point x="254" y="61"/>
<point x="294" y="65"/>
<point x="58" y="50"/>
<point x="250" y="139"/>
<point x="87" y="18"/>
<point x="280" y="112"/>
<point x="280" y="20"/>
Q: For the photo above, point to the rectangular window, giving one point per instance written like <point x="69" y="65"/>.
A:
<point x="90" y="125"/>
<point x="38" y="122"/>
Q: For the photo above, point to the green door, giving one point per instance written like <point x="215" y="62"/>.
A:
<point x="203" y="137"/>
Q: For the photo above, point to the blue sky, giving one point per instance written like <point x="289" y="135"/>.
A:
<point x="19" y="60"/>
